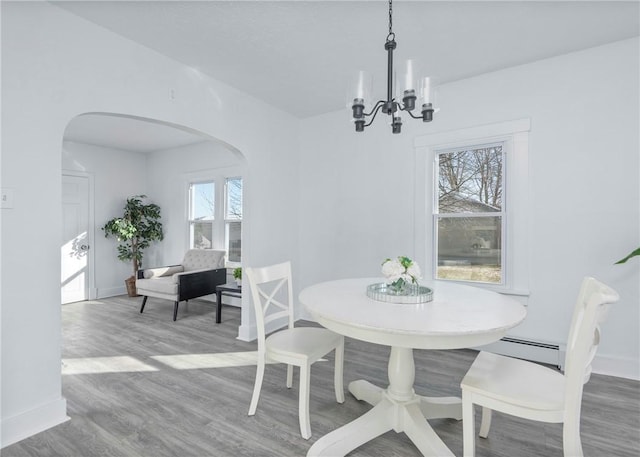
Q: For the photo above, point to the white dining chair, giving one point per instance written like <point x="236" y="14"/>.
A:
<point x="272" y="294"/>
<point x="531" y="391"/>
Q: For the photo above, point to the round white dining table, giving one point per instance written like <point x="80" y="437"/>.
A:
<point x="459" y="316"/>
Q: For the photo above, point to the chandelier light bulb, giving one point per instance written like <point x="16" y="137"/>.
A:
<point x="361" y="83"/>
<point x="409" y="76"/>
<point x="425" y="90"/>
<point x="360" y="89"/>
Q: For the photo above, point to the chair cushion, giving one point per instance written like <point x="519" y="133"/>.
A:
<point x="163" y="285"/>
<point x="202" y="259"/>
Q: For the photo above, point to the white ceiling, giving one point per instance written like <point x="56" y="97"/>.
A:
<point x="300" y="55"/>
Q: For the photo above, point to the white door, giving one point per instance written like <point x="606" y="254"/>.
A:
<point x="76" y="239"/>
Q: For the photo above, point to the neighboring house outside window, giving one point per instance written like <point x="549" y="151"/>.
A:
<point x="215" y="216"/>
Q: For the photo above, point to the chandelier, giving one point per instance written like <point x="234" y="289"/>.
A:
<point x="390" y="106"/>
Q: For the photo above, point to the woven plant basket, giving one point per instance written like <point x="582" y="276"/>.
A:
<point x="130" y="282"/>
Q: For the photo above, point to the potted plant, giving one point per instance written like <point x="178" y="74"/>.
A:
<point x="632" y="254"/>
<point x="135" y="230"/>
<point x="237" y="275"/>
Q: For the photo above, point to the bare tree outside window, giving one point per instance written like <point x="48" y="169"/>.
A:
<point x="468" y="220"/>
<point x="468" y="176"/>
<point x="233" y="218"/>
<point x="201" y="214"/>
<point x="234" y="198"/>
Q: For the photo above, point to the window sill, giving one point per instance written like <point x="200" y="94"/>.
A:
<point x="501" y="289"/>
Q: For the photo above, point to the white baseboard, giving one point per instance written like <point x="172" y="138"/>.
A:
<point x="226" y="300"/>
<point x="250" y="332"/>
<point x="210" y="298"/>
<point x="620" y="367"/>
<point x="110" y="292"/>
<point x="617" y="366"/>
<point x="247" y="332"/>
<point x="17" y="428"/>
<point x="523" y="349"/>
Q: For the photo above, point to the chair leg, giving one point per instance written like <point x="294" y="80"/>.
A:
<point x="257" y="386"/>
<point x="289" y="376"/>
<point x="144" y="302"/>
<point x="571" y="442"/>
<point x="485" y="424"/>
<point x="175" y="310"/>
<point x="338" y="372"/>
<point x="303" y="413"/>
<point x="468" y="426"/>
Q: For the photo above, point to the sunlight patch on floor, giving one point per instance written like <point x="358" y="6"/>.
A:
<point x="123" y="364"/>
<point x="219" y="360"/>
<point x="93" y="365"/>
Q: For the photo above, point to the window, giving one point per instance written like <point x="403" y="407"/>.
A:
<point x="233" y="218"/>
<point x="472" y="205"/>
<point x="201" y="214"/>
<point x="468" y="213"/>
<point x="215" y="215"/>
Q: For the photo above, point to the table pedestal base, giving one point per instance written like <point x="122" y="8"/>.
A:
<point x="396" y="408"/>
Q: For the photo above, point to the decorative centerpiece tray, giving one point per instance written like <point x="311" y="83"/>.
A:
<point x="408" y="294"/>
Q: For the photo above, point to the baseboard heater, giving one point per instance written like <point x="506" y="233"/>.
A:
<point x="527" y="349"/>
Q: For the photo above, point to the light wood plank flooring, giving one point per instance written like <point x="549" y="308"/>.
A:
<point x="166" y="408"/>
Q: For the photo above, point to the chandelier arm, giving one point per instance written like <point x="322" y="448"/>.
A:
<point x="410" y="113"/>
<point x="375" y="108"/>
<point x="378" y="106"/>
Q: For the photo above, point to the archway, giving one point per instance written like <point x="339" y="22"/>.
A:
<point x="120" y="155"/>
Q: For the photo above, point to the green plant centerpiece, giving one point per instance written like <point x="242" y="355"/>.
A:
<point x="237" y="275"/>
<point x="135" y="230"/>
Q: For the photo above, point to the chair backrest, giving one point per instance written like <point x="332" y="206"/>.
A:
<point x="594" y="300"/>
<point x="272" y="295"/>
<point x="201" y="259"/>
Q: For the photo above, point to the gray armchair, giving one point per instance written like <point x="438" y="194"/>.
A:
<point x="199" y="273"/>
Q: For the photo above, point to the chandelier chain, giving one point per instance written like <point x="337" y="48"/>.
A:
<point x="391" y="35"/>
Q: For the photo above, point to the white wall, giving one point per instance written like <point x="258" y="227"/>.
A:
<point x="117" y="175"/>
<point x="56" y="66"/>
<point x="358" y="189"/>
<point x="170" y="172"/>
<point x="269" y="198"/>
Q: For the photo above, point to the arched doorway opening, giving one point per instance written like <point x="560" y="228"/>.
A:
<point x="108" y="157"/>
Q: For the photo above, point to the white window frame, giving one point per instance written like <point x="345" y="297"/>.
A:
<point x="515" y="136"/>
<point x="219" y="177"/>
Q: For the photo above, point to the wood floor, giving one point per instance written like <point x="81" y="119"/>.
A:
<point x="197" y="406"/>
